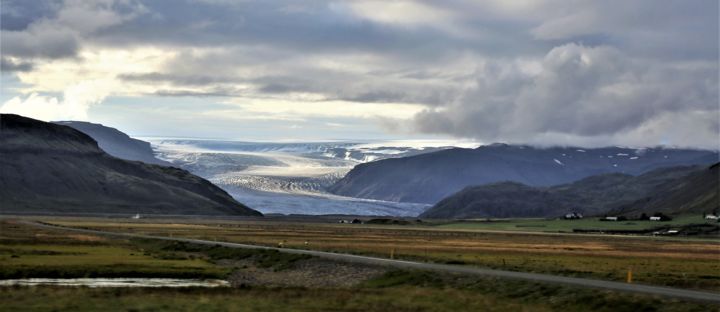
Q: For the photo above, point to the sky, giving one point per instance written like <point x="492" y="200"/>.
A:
<point x="570" y="72"/>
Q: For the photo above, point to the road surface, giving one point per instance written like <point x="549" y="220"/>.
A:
<point x="583" y="282"/>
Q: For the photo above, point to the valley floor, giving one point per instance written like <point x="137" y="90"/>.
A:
<point x="693" y="264"/>
<point x="264" y="280"/>
<point x="269" y="281"/>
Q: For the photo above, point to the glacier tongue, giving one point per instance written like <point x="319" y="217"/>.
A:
<point x="286" y="178"/>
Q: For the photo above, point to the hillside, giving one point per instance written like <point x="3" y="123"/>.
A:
<point x="49" y="168"/>
<point x="595" y="195"/>
<point x="428" y="178"/>
<point x="116" y="143"/>
<point x="698" y="193"/>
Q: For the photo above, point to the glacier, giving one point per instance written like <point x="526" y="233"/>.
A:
<point x="292" y="177"/>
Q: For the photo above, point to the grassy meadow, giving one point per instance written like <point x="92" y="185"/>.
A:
<point x="560" y="225"/>
<point x="675" y="262"/>
<point x="483" y="295"/>
<point x="27" y="252"/>
<point x="30" y="251"/>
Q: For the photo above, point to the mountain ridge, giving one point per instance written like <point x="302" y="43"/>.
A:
<point x="427" y="178"/>
<point x="116" y="142"/>
<point x="594" y="195"/>
<point x="46" y="167"/>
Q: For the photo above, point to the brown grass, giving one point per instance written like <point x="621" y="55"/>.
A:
<point x="690" y="264"/>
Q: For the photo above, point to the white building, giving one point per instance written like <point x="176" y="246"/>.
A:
<point x="573" y="215"/>
<point x="655" y="218"/>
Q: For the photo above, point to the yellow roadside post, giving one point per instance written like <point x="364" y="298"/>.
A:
<point x="629" y="276"/>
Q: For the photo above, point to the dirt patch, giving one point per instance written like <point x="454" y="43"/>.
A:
<point x="310" y="273"/>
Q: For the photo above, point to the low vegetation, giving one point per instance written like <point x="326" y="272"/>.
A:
<point x="27" y="252"/>
<point x="569" y="226"/>
<point x="667" y="261"/>
<point x="24" y="247"/>
<point x="182" y="250"/>
<point x="394" y="291"/>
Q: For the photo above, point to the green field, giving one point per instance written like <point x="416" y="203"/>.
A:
<point x="559" y="225"/>
<point x="667" y="261"/>
<point x="39" y="252"/>
<point x="28" y="252"/>
<point x="525" y="297"/>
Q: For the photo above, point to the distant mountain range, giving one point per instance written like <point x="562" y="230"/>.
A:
<point x="430" y="177"/>
<point x="51" y="168"/>
<point x="672" y="190"/>
<point x="117" y="143"/>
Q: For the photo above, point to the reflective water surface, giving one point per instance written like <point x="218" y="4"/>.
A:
<point x="115" y="282"/>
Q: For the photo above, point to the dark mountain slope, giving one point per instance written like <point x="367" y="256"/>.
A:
<point x="699" y="192"/>
<point x="47" y="168"/>
<point x="593" y="195"/>
<point x="427" y="178"/>
<point x="117" y="143"/>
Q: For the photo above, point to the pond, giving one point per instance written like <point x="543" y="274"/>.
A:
<point x="115" y="282"/>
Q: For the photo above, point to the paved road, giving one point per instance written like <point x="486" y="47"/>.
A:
<point x="637" y="288"/>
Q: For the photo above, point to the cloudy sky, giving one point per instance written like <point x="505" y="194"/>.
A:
<point x="567" y="72"/>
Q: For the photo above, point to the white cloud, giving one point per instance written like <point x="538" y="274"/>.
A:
<point x="403" y="13"/>
<point x="293" y="109"/>
<point x="74" y="105"/>
<point x="533" y="71"/>
<point x="62" y="35"/>
<point x="585" y="94"/>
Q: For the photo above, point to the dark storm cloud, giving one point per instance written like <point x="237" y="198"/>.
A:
<point x="491" y="70"/>
<point x="10" y="66"/>
<point x="51" y="43"/>
<point x="54" y="29"/>
<point x="16" y="15"/>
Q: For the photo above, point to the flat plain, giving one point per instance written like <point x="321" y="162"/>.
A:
<point x="667" y="261"/>
<point x="29" y="251"/>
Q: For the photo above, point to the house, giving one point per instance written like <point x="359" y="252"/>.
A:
<point x="573" y="215"/>
<point x="610" y="219"/>
<point x="353" y="221"/>
<point x="711" y="217"/>
<point x="655" y="218"/>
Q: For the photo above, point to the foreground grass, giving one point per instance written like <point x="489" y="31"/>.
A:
<point x="28" y="252"/>
<point x="393" y="291"/>
<point x="677" y="263"/>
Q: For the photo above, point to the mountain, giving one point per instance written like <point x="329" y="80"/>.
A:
<point x="699" y="192"/>
<point x="116" y="143"/>
<point x="50" y="168"/>
<point x="427" y="178"/>
<point x="595" y="195"/>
